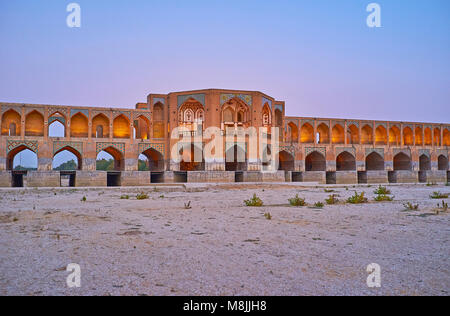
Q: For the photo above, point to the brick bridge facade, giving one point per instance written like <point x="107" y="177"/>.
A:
<point x="323" y="150"/>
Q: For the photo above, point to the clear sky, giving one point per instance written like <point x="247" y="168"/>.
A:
<point x="317" y="55"/>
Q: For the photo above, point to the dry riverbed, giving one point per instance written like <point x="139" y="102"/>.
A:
<point x="220" y="246"/>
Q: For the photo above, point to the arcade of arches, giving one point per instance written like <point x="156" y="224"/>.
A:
<point x="119" y="141"/>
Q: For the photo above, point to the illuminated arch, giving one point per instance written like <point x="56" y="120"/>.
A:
<point x="11" y="123"/>
<point x="338" y="134"/>
<point x="79" y="126"/>
<point x="34" y="124"/>
<point x="307" y="133"/>
<point x="100" y="126"/>
<point x="381" y="135"/>
<point x="408" y="138"/>
<point x="367" y="135"/>
<point x="121" y="127"/>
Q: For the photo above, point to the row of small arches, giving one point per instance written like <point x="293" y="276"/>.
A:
<point x="420" y="137"/>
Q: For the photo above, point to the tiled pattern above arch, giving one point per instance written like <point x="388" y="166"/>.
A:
<point x="12" y="144"/>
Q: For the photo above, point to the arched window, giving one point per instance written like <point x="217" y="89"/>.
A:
<point x="188" y="116"/>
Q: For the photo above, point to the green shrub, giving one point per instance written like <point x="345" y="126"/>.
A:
<point x="382" y="191"/>
<point x="332" y="199"/>
<point x="318" y="205"/>
<point x="254" y="201"/>
<point x="438" y="195"/>
<point x="357" y="198"/>
<point x="142" y="196"/>
<point x="328" y="190"/>
<point x="83" y="199"/>
<point x="268" y="216"/>
<point x="297" y="201"/>
<point x="411" y="207"/>
<point x="125" y="197"/>
<point x="383" y="197"/>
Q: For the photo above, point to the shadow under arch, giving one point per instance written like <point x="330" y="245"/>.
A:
<point x="315" y="161"/>
<point x="155" y="159"/>
<point x="285" y="161"/>
<point x="119" y="162"/>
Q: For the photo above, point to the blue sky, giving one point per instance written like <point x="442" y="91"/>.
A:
<point x="319" y="56"/>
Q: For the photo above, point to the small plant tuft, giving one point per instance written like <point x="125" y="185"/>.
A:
<point x="142" y="196"/>
<point x="328" y="190"/>
<point x="318" y="205"/>
<point x="125" y="197"/>
<point x="332" y="199"/>
<point x="438" y="195"/>
<point x="382" y="191"/>
<point x="84" y="199"/>
<point x="357" y="198"/>
<point x="187" y="205"/>
<point x="297" y="201"/>
<point x="383" y="197"/>
<point x="254" y="201"/>
<point x="268" y="216"/>
<point x="411" y="207"/>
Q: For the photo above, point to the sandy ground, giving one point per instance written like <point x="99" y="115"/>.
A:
<point x="220" y="246"/>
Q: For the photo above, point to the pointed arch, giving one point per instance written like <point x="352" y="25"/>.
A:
<point x="345" y="162"/>
<point x="424" y="163"/>
<point x="155" y="159"/>
<point x="100" y="126"/>
<point x="11" y="123"/>
<point x="374" y="161"/>
<point x="408" y="137"/>
<point x="402" y="162"/>
<point x="119" y="162"/>
<point x="79" y="126"/>
<point x="142" y="126"/>
<point x="14" y="152"/>
<point x="34" y="124"/>
<point x="266" y="115"/>
<point x="315" y="161"/>
<point x="292" y="132"/>
<point x="381" y="135"/>
<point x="367" y="135"/>
<point x="285" y="161"/>
<point x="324" y="133"/>
<point x="418" y="135"/>
<point x="353" y="134"/>
<point x="74" y="152"/>
<point x="394" y="136"/>
<point x="121" y="127"/>
<point x="338" y="134"/>
<point x="307" y="133"/>
<point x="442" y="163"/>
